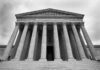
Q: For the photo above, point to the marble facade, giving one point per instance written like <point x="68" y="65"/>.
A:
<point x="50" y="39"/>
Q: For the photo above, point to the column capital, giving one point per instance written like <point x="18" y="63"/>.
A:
<point x="82" y="24"/>
<point x="45" y="23"/>
<point x="77" y="23"/>
<point x="67" y="23"/>
<point x="26" y="24"/>
<point x="17" y="23"/>
<point x="64" y="22"/>
<point x="72" y="24"/>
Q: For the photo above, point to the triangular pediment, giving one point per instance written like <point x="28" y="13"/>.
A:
<point x="50" y="12"/>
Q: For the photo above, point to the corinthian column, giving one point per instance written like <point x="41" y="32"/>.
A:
<point x="32" y="43"/>
<point x="56" y="43"/>
<point x="16" y="44"/>
<point x="83" y="44"/>
<point x="21" y="44"/>
<point x="44" y="43"/>
<point x="79" y="45"/>
<point x="10" y="43"/>
<point x="67" y="41"/>
<point x="89" y="43"/>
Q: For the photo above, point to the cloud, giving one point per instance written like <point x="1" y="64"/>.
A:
<point x="5" y="17"/>
<point x="93" y="21"/>
<point x="8" y="9"/>
<point x="71" y="3"/>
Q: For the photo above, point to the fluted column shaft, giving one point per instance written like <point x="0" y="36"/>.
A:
<point x="79" y="45"/>
<point x="44" y="42"/>
<point x="74" y="45"/>
<point x="89" y="43"/>
<point x="21" y="44"/>
<point x="16" y="44"/>
<point x="67" y="41"/>
<point x="26" y="45"/>
<point x="84" y="46"/>
<point x="10" y="43"/>
<point x="32" y="43"/>
<point x="56" y="43"/>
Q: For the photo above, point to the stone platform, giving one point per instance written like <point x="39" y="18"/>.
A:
<point x="50" y="65"/>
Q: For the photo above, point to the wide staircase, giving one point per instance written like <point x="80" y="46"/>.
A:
<point x="50" y="65"/>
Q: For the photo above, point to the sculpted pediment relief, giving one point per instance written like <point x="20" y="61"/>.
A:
<point x="50" y="13"/>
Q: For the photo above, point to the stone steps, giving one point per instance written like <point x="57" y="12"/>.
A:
<point x="50" y="65"/>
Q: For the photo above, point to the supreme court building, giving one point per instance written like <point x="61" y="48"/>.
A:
<point x="50" y="39"/>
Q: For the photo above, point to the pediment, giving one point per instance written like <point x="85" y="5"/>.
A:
<point x="49" y="13"/>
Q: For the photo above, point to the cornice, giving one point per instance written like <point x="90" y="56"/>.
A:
<point x="49" y="13"/>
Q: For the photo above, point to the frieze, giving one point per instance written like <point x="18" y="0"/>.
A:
<point x="49" y="13"/>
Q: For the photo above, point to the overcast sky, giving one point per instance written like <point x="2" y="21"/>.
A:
<point x="90" y="8"/>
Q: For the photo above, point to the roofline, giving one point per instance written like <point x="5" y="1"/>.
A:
<point x="37" y="11"/>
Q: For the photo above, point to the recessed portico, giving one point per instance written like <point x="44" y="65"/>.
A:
<point x="39" y="42"/>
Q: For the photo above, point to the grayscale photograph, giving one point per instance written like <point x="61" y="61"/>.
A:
<point x="49" y="34"/>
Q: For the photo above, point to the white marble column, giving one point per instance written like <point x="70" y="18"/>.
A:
<point x="44" y="43"/>
<point x="79" y="45"/>
<point x="56" y="43"/>
<point x="21" y="44"/>
<point x="32" y="43"/>
<point x="74" y="45"/>
<point x="67" y="42"/>
<point x="25" y="46"/>
<point x="10" y="43"/>
<point x="83" y="44"/>
<point x="16" y="44"/>
<point x="89" y="43"/>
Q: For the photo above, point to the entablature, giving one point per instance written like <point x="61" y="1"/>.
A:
<point x="49" y="20"/>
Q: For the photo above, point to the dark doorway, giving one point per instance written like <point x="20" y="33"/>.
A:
<point x="50" y="53"/>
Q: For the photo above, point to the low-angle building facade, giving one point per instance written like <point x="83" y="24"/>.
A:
<point x="50" y="39"/>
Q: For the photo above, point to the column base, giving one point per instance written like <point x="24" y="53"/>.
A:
<point x="85" y="59"/>
<point x="43" y="60"/>
<point x="15" y="59"/>
<point x="29" y="59"/>
<point x="58" y="59"/>
<point x="97" y="58"/>
<point x="72" y="59"/>
<point x="2" y="59"/>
